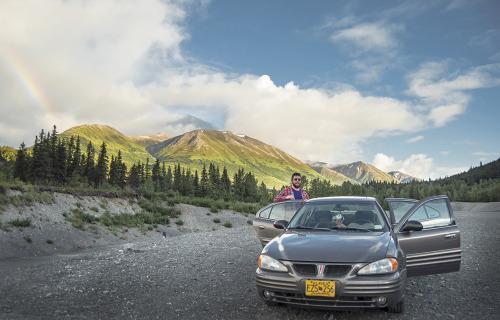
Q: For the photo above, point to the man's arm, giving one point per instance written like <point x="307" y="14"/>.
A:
<point x="281" y="196"/>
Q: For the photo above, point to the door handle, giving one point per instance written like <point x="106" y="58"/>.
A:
<point x="450" y="236"/>
<point x="261" y="227"/>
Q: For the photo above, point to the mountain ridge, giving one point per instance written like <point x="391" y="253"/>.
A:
<point x="200" y="147"/>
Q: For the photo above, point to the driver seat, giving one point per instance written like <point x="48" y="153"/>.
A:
<point x="364" y="215"/>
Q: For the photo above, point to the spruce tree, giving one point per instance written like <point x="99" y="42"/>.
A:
<point x="22" y="164"/>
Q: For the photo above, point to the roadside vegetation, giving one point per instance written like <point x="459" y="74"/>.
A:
<point x="61" y="165"/>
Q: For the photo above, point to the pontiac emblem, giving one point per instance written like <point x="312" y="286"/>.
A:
<point x="321" y="269"/>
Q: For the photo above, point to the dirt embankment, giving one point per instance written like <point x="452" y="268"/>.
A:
<point x="51" y="230"/>
<point x="477" y="207"/>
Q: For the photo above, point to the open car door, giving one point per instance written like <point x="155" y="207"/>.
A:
<point x="263" y="223"/>
<point x="436" y="247"/>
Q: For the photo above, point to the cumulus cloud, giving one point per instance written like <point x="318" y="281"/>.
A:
<point x="75" y="60"/>
<point x="120" y="63"/>
<point x="417" y="165"/>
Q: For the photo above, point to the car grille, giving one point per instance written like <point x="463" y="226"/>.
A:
<point x="337" y="269"/>
<point x="331" y="270"/>
<point x="305" y="269"/>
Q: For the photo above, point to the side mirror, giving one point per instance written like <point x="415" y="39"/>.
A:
<point x="280" y="224"/>
<point x="412" y="225"/>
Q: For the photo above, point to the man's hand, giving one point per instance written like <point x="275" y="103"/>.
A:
<point x="290" y="197"/>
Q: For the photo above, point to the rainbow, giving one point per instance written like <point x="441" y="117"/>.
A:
<point x="27" y="80"/>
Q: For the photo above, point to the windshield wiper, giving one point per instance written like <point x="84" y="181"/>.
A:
<point x="350" y="228"/>
<point x="301" y="227"/>
<point x="309" y="228"/>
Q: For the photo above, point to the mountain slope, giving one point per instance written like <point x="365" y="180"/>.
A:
<point x="363" y="172"/>
<point x="151" y="139"/>
<point x="403" y="177"/>
<point x="131" y="151"/>
<point x="335" y="177"/>
<point x="223" y="148"/>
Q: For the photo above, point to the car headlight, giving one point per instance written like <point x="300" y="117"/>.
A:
<point x="268" y="263"/>
<point x="387" y="265"/>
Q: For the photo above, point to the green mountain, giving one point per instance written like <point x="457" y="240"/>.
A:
<point x="363" y="172"/>
<point x="223" y="148"/>
<point x="335" y="177"/>
<point x="132" y="150"/>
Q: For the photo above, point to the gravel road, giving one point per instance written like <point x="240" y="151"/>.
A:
<point x="210" y="275"/>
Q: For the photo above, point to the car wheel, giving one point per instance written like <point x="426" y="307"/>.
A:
<point x="397" y="308"/>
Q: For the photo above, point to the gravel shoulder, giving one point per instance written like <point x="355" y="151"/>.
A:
<point x="201" y="273"/>
<point x="51" y="232"/>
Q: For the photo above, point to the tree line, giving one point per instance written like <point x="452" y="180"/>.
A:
<point x="63" y="162"/>
<point x="480" y="184"/>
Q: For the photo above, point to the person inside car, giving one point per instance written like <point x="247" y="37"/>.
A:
<point x="338" y="219"/>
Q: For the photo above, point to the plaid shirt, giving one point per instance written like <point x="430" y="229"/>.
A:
<point x="289" y="191"/>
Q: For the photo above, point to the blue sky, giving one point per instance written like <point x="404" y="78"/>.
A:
<point x="403" y="85"/>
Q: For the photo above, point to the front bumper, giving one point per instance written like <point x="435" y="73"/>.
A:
<point x="351" y="291"/>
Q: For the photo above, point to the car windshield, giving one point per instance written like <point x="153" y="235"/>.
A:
<point x="338" y="215"/>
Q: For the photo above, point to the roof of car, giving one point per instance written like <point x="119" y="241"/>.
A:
<point x="344" y="198"/>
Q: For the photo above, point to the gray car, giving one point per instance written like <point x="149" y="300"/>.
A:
<point x="347" y="253"/>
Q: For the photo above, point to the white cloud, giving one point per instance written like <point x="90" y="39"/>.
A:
<point x="369" y="36"/>
<point x="430" y="84"/>
<point x="417" y="165"/>
<point x="414" y="139"/>
<point x="69" y="62"/>
<point x="120" y="63"/>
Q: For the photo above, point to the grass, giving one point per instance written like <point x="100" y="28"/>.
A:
<point x="21" y="223"/>
<point x="80" y="218"/>
<point x="30" y="197"/>
<point x="216" y="220"/>
<point x="228" y="224"/>
<point x="28" y="239"/>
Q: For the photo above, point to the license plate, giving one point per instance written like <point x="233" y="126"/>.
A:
<point x="320" y="288"/>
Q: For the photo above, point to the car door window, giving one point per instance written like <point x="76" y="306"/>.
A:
<point x="434" y="213"/>
<point x="401" y="207"/>
<point x="265" y="213"/>
<point x="284" y="210"/>
<point x="277" y="212"/>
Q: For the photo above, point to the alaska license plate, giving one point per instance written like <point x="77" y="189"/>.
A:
<point x="320" y="288"/>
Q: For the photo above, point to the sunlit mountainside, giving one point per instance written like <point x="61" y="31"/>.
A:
<point x="334" y="176"/>
<point x="132" y="150"/>
<point x="224" y="148"/>
<point x="363" y="172"/>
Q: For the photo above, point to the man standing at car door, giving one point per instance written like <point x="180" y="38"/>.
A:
<point x="293" y="192"/>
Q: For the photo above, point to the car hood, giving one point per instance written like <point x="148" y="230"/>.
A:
<point x="330" y="246"/>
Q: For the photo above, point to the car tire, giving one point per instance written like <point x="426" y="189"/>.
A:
<point x="397" y="308"/>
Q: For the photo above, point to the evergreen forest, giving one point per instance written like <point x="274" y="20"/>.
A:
<point x="65" y="165"/>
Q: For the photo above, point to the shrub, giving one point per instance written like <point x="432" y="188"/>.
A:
<point x="216" y="220"/>
<point x="28" y="239"/>
<point x="49" y="241"/>
<point x="179" y="222"/>
<point x="21" y="223"/>
<point x="228" y="224"/>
